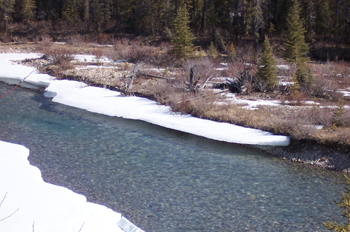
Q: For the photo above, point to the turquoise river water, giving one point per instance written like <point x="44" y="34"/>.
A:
<point x="164" y="180"/>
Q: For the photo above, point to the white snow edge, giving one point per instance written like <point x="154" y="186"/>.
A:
<point x="112" y="103"/>
<point x="30" y="204"/>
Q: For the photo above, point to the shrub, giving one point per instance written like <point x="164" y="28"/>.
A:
<point x="98" y="53"/>
<point x="46" y="40"/>
<point x="60" y="56"/>
<point x="75" y="40"/>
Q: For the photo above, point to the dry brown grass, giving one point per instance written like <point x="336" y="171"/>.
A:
<point x="298" y="121"/>
<point x="133" y="51"/>
<point x="329" y="78"/>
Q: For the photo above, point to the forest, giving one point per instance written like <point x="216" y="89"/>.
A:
<point x="324" y="20"/>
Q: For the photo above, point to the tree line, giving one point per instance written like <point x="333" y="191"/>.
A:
<point x="327" y="20"/>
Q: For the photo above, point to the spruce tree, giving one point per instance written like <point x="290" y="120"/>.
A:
<point x="267" y="65"/>
<point x="6" y="8"/>
<point x="70" y="11"/>
<point x="296" y="49"/>
<point x="182" y="37"/>
<point x="97" y="15"/>
<point x="24" y="11"/>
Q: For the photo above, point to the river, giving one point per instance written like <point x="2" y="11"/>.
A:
<point x="164" y="180"/>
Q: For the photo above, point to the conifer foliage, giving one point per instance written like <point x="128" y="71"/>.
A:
<point x="24" y="11"/>
<point x="182" y="37"/>
<point x="70" y="11"/>
<point x="267" y="65"/>
<point x="296" y="49"/>
<point x="6" y="8"/>
<point x="345" y="205"/>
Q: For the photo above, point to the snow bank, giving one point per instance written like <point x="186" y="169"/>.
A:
<point x="30" y="204"/>
<point x="104" y="101"/>
<point x="112" y="103"/>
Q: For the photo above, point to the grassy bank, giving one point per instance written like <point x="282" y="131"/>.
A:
<point x="136" y="67"/>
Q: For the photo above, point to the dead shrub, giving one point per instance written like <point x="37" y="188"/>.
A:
<point x="75" y="40"/>
<point x="60" y="56"/>
<point x="321" y="116"/>
<point x="203" y="69"/>
<point x="342" y="73"/>
<point x="98" y="53"/>
<point x="103" y="38"/>
<point x="195" y="104"/>
<point x="296" y="98"/>
<point x="136" y="52"/>
<point x="139" y="53"/>
<point x="234" y="69"/>
<point x="326" y="82"/>
<point x="6" y="38"/>
<point x="167" y="92"/>
<point x="46" y="40"/>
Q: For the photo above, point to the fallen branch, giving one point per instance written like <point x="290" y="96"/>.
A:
<point x="205" y="82"/>
<point x="149" y="75"/>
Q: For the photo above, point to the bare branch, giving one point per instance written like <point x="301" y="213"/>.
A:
<point x="3" y="199"/>
<point x="81" y="227"/>
<point x="9" y="215"/>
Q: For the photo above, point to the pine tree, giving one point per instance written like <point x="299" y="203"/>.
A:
<point x="70" y="11"/>
<point x="296" y="49"/>
<point x="255" y="20"/>
<point x="97" y="16"/>
<point x="24" y="11"/>
<point x="182" y="37"/>
<point x="322" y="18"/>
<point x="267" y="65"/>
<point x="6" y="8"/>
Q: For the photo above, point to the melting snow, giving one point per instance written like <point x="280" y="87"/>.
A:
<point x="30" y="204"/>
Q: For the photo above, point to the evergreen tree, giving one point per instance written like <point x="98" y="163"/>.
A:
<point x="6" y="8"/>
<point x="322" y="18"/>
<point x="296" y="49"/>
<point x="182" y="37"/>
<point x="97" y="17"/>
<point x="267" y="65"/>
<point x="345" y="205"/>
<point x="24" y="11"/>
<point x="255" y="20"/>
<point x="70" y="11"/>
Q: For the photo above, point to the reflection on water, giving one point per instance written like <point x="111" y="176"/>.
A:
<point x="163" y="180"/>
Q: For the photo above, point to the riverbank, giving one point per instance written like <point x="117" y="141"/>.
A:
<point x="315" y="154"/>
<point x="101" y="72"/>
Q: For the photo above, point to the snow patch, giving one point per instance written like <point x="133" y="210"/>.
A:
<point x="30" y="204"/>
<point x="108" y="102"/>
